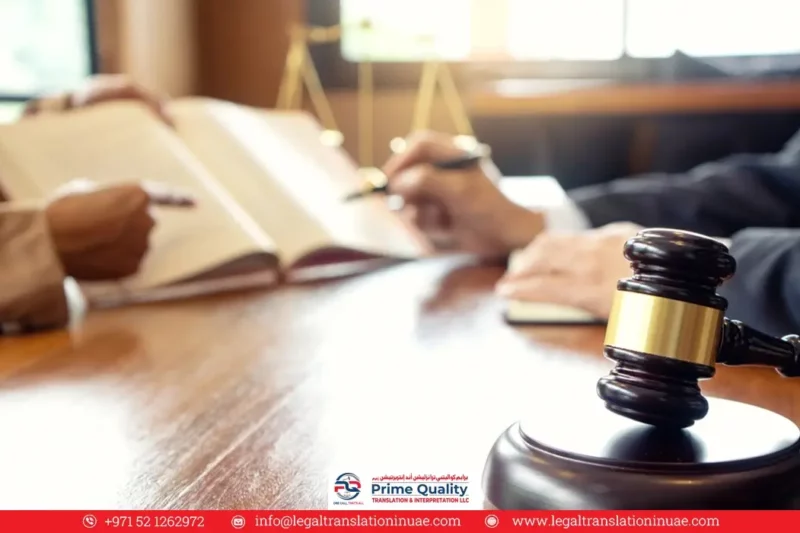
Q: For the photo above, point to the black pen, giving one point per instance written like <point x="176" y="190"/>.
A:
<point x="467" y="160"/>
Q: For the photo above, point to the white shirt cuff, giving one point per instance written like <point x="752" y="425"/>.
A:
<point x="566" y="217"/>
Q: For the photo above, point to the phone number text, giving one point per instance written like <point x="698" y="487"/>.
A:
<point x="155" y="521"/>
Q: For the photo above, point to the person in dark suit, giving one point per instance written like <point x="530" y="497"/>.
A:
<point x="573" y="253"/>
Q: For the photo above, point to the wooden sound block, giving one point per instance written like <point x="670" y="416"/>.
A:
<point x="583" y="456"/>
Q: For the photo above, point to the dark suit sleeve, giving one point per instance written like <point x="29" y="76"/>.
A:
<point x="765" y="292"/>
<point x="716" y="199"/>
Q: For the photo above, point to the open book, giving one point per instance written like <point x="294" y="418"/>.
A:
<point x="269" y="193"/>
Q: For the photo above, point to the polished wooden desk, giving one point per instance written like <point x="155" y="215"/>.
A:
<point x="244" y="401"/>
<point x="593" y="97"/>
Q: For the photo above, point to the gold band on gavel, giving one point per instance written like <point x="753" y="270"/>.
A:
<point x="664" y="327"/>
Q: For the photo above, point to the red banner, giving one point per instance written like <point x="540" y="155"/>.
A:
<point x="397" y="521"/>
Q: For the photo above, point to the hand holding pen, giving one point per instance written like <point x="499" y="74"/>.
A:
<point x="470" y="154"/>
<point x="451" y="194"/>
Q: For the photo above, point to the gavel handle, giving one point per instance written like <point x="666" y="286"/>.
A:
<point x="743" y="345"/>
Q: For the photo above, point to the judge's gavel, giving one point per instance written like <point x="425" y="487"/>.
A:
<point x="667" y="330"/>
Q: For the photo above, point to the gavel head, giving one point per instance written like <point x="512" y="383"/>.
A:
<point x="665" y="326"/>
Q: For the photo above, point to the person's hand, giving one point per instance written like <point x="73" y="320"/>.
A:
<point x="574" y="269"/>
<point x="97" y="90"/>
<point x="106" y="88"/>
<point x="458" y="209"/>
<point x="102" y="233"/>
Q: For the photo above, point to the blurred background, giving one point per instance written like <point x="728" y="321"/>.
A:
<point x="585" y="90"/>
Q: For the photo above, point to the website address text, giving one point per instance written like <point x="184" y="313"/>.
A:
<point x="566" y="522"/>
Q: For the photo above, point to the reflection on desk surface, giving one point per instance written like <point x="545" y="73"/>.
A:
<point x="241" y="401"/>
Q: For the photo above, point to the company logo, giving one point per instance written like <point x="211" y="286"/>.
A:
<point x="347" y="486"/>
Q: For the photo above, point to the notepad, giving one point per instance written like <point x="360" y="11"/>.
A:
<point x="269" y="194"/>
<point x="519" y="312"/>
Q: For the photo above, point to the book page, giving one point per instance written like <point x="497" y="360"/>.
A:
<point x="119" y="142"/>
<point x="277" y="168"/>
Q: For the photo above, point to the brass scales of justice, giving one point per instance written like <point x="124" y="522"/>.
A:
<point x="300" y="73"/>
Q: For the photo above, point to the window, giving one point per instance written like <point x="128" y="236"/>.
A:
<point x="566" y="29"/>
<point x="576" y="30"/>
<point x="45" y="46"/>
<point x="395" y="31"/>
